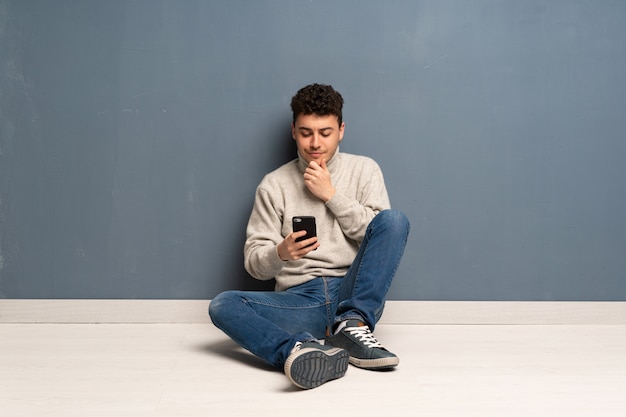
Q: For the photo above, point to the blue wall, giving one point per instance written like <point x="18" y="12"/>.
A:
<point x="133" y="135"/>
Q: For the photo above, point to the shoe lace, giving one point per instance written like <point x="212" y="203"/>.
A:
<point x="364" y="334"/>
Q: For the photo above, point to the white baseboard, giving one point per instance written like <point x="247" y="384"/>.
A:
<point x="396" y="312"/>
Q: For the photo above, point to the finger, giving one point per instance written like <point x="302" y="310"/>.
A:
<point x="298" y="234"/>
<point x="313" y="246"/>
<point x="306" y="242"/>
<point x="314" y="166"/>
<point x="308" y="245"/>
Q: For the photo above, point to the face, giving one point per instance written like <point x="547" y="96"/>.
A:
<point x="317" y="137"/>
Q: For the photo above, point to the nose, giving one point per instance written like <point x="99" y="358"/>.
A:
<point x="315" y="141"/>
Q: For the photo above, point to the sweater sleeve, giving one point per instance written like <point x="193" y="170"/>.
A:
<point x="355" y="214"/>
<point x="263" y="235"/>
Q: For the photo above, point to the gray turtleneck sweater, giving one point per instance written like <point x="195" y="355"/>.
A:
<point x="341" y="222"/>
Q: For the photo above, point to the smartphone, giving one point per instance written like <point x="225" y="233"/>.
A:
<point x="304" y="223"/>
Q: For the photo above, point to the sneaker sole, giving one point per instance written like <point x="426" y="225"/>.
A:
<point x="310" y="367"/>
<point x="379" y="364"/>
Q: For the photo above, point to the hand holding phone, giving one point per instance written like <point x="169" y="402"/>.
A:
<point x="304" y="223"/>
<point x="288" y="250"/>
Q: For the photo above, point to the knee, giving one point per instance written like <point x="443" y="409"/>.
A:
<point x="220" y="305"/>
<point x="394" y="221"/>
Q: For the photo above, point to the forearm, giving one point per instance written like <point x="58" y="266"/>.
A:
<point x="355" y="210"/>
<point x="353" y="217"/>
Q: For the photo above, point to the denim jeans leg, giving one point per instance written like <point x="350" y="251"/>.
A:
<point x="269" y="323"/>
<point x="365" y="286"/>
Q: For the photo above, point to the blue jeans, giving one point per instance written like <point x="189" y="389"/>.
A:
<point x="269" y="323"/>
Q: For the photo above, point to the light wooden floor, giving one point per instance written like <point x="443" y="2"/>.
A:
<point x="193" y="370"/>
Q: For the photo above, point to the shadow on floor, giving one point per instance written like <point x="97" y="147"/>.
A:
<point x="230" y="350"/>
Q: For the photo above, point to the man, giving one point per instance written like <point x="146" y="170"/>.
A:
<point x="332" y="286"/>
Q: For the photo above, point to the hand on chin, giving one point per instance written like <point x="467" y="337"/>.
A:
<point x="316" y="158"/>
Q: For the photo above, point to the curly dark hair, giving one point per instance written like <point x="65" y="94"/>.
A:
<point x="318" y="99"/>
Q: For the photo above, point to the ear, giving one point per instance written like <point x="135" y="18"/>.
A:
<point x="341" y="130"/>
<point x="293" y="131"/>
